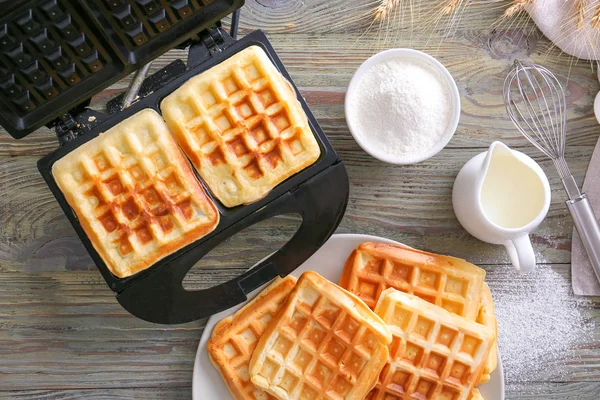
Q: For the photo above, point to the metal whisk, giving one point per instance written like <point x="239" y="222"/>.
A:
<point x="536" y="103"/>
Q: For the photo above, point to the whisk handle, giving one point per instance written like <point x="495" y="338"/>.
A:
<point x="587" y="226"/>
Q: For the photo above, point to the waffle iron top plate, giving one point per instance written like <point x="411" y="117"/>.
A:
<point x="56" y="54"/>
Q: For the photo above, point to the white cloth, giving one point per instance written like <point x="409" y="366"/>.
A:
<point x="584" y="280"/>
<point x="558" y="21"/>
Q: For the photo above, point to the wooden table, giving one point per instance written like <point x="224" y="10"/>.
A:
<point x="63" y="334"/>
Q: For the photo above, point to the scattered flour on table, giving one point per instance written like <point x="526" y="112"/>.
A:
<point x="539" y="323"/>
<point x="402" y="108"/>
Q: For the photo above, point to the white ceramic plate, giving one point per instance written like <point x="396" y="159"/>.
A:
<point x="329" y="262"/>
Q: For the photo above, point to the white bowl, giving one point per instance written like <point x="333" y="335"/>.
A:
<point x="406" y="54"/>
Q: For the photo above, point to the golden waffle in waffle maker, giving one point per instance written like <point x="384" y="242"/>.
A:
<point x="187" y="158"/>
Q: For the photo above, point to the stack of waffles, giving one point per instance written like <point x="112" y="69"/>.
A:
<point x="403" y="324"/>
<point x="321" y="343"/>
<point x="133" y="190"/>
<point x="450" y="283"/>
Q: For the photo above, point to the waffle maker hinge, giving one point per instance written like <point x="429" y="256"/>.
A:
<point x="209" y="42"/>
<point x="66" y="128"/>
<point x="213" y="40"/>
<point x="76" y="122"/>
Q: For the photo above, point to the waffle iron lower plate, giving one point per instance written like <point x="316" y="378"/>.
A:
<point x="319" y="194"/>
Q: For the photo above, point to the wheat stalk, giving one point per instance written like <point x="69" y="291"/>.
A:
<point x="595" y="21"/>
<point x="450" y="7"/>
<point x="516" y="7"/>
<point x="385" y="8"/>
<point x="580" y="13"/>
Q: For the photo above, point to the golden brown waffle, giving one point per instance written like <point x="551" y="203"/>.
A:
<point x="242" y="126"/>
<point x="234" y="339"/>
<point x="487" y="317"/>
<point x="434" y="354"/>
<point x="449" y="282"/>
<point x="135" y="194"/>
<point x="325" y="344"/>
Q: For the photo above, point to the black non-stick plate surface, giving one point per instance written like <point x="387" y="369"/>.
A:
<point x="229" y="216"/>
<point x="56" y="54"/>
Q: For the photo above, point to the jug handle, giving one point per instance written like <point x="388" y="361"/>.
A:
<point x="521" y="253"/>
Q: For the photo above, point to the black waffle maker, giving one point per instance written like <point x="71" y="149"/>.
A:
<point x="56" y="54"/>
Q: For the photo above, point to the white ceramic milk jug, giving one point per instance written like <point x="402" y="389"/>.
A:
<point x="500" y="196"/>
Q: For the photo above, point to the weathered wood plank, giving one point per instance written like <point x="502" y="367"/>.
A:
<point x="172" y="392"/>
<point x="62" y="333"/>
<point x="335" y="16"/>
<point x="385" y="200"/>
<point x="66" y="330"/>
<point x="534" y="390"/>
<point x="323" y="66"/>
<point x="553" y="391"/>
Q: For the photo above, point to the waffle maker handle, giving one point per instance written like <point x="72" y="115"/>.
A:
<point x="161" y="298"/>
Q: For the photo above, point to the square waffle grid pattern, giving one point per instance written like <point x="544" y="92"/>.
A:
<point x="434" y="355"/>
<point x="451" y="283"/>
<point x="135" y="194"/>
<point x="44" y="52"/>
<point x="234" y="339"/>
<point x="136" y="22"/>
<point x="242" y="127"/>
<point x="318" y="350"/>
